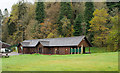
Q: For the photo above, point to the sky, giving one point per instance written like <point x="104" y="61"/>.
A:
<point x="8" y="4"/>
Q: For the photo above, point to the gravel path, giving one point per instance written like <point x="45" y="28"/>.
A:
<point x="13" y="53"/>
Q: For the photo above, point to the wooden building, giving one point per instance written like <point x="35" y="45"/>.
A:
<point x="67" y="45"/>
<point x="4" y="45"/>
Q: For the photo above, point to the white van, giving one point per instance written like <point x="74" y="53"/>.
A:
<point x="5" y="50"/>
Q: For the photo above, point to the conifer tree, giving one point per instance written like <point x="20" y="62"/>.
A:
<point x="112" y="5"/>
<point x="77" y="26"/>
<point x="65" y="10"/>
<point x="89" y="9"/>
<point x="40" y="13"/>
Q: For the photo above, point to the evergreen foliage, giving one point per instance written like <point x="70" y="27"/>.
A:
<point x="112" y="5"/>
<point x="65" y="10"/>
<point x="40" y="13"/>
<point x="21" y="9"/>
<point x="77" y="26"/>
<point x="11" y="26"/>
<point x="89" y="9"/>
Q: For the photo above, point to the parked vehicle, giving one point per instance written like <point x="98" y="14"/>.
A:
<point x="5" y="50"/>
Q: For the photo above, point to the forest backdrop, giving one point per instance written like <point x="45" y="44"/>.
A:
<point x="97" y="20"/>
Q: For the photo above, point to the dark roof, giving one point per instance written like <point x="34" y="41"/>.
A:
<point x="66" y="41"/>
<point x="3" y="44"/>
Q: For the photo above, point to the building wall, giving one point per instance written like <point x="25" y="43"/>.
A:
<point x="84" y="43"/>
<point x="51" y="50"/>
<point x="56" y="50"/>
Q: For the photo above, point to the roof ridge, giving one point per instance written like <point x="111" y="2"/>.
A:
<point x="55" y="38"/>
<point x="66" y="37"/>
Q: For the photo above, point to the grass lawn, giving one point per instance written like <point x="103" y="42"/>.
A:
<point x="77" y="62"/>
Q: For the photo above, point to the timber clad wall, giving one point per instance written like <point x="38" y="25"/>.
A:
<point x="84" y="42"/>
<point x="50" y="50"/>
<point x="56" y="50"/>
<point x="46" y="49"/>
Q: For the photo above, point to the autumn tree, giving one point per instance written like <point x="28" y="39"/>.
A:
<point x="113" y="36"/>
<point x="78" y="7"/>
<point x="22" y="13"/>
<point x="30" y="21"/>
<point x="30" y="30"/>
<point x="5" y="33"/>
<point x="52" y="11"/>
<point x="45" y="29"/>
<point x="77" y="26"/>
<point x="98" y="26"/>
<point x="66" y="27"/>
<point x="40" y="13"/>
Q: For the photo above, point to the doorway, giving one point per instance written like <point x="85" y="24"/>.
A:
<point x="83" y="49"/>
<point x="40" y="50"/>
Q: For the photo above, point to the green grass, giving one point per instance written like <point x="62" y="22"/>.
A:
<point x="76" y="62"/>
<point x="96" y="49"/>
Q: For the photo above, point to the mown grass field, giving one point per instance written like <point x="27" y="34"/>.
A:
<point x="77" y="62"/>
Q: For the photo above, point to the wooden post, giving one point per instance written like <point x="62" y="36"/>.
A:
<point x="78" y="50"/>
<point x="55" y="50"/>
<point x="75" y="50"/>
<point x="89" y="49"/>
<point x="81" y="49"/>
<point x="71" y="50"/>
<point x="42" y="51"/>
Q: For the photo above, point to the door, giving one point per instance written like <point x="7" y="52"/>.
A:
<point x="83" y="49"/>
<point x="40" y="50"/>
<point x="66" y="51"/>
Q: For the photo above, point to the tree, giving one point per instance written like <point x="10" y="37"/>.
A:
<point x="89" y="9"/>
<point x="66" y="28"/>
<point x="52" y="11"/>
<point x="1" y="17"/>
<point x="113" y="36"/>
<point x="112" y="5"/>
<point x="6" y="13"/>
<point x="22" y="14"/>
<point x="65" y="10"/>
<point x="5" y="33"/>
<point x="15" y="38"/>
<point x="77" y="26"/>
<point x="98" y="27"/>
<point x="11" y="26"/>
<point x="29" y="32"/>
<point x="42" y="30"/>
<point x="40" y="13"/>
<point x="78" y="7"/>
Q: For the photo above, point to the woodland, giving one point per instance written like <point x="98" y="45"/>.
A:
<point x="98" y="21"/>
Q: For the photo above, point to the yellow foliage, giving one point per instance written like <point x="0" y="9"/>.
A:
<point x="98" y="26"/>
